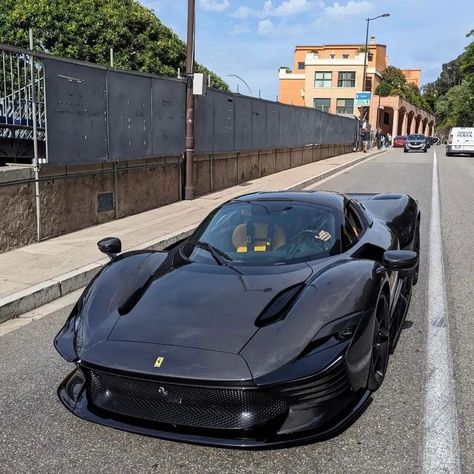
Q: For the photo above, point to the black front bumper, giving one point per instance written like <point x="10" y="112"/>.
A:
<point x="229" y="416"/>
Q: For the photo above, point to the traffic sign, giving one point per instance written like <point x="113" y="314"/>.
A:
<point x="363" y="99"/>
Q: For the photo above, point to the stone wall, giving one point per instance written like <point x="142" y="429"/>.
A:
<point x="70" y="196"/>
<point x="215" y="172"/>
<point x="75" y="197"/>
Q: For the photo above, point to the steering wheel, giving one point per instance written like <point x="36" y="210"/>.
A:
<point x="302" y="236"/>
<point x="303" y="233"/>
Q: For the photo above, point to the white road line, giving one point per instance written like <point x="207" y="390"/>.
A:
<point x="441" y="444"/>
<point x="345" y="170"/>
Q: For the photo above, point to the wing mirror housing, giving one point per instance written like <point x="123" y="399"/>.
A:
<point x="400" y="260"/>
<point x="111" y="246"/>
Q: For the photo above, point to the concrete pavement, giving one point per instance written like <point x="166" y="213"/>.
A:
<point x="39" y="273"/>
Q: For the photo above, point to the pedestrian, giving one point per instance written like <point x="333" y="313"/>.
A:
<point x="379" y="138"/>
<point x="365" y="139"/>
<point x="388" y="140"/>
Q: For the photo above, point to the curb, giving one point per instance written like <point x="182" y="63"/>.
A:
<point x="18" y="303"/>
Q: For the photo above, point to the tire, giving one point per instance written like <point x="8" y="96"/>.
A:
<point x="405" y="150"/>
<point x="425" y="150"/>
<point x="416" y="248"/>
<point x="380" y="345"/>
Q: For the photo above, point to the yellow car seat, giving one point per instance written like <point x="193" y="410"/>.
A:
<point x="258" y="236"/>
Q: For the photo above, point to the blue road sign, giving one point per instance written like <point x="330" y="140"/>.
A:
<point x="363" y="99"/>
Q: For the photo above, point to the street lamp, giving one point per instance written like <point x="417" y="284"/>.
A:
<point x="368" y="20"/>
<point x="189" y="153"/>
<point x="238" y="77"/>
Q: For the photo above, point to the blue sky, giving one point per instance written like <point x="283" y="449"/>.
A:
<point x="253" y="38"/>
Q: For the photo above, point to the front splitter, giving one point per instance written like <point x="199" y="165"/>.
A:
<point x="81" y="409"/>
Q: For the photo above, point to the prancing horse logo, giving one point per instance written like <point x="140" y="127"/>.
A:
<point x="159" y="361"/>
<point x="162" y="392"/>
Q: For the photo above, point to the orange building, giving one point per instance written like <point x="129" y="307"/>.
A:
<point x="327" y="77"/>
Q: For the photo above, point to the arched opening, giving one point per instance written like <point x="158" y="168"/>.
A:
<point x="402" y="122"/>
<point x="411" y="122"/>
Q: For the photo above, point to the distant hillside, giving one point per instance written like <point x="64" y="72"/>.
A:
<point x="87" y="29"/>
<point x="452" y="94"/>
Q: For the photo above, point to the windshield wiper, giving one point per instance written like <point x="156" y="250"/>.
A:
<point x="219" y="256"/>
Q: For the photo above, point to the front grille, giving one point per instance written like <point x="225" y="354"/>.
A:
<point x="321" y="388"/>
<point x="185" y="405"/>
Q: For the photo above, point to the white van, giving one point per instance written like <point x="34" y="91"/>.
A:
<point x="460" y="141"/>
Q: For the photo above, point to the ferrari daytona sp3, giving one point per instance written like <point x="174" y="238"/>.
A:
<point x="272" y="324"/>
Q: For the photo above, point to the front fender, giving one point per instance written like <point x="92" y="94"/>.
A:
<point x="96" y="311"/>
<point x="346" y="287"/>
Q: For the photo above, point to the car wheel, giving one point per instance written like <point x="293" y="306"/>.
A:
<point x="380" y="346"/>
<point x="416" y="248"/>
<point x="405" y="150"/>
<point x="425" y="150"/>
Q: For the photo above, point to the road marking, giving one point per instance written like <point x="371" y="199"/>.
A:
<point x="345" y="170"/>
<point x="441" y="444"/>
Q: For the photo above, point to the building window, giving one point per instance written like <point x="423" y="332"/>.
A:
<point x="322" y="79"/>
<point x="322" y="104"/>
<point x="345" y="56"/>
<point x="301" y="65"/>
<point x="386" y="118"/>
<point x="368" y="84"/>
<point x="370" y="56"/>
<point x="345" y="106"/>
<point x="332" y="56"/>
<point x="347" y="79"/>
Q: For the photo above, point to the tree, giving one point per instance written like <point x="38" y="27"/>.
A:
<point x="87" y="29"/>
<point x="394" y="77"/>
<point x="452" y="94"/>
<point x="394" y="83"/>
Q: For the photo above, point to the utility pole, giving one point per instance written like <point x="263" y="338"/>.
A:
<point x="189" y="154"/>
<point x="35" y="138"/>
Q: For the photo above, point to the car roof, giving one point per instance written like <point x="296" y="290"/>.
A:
<point x="324" y="198"/>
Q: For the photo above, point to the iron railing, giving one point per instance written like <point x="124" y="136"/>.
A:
<point x="19" y="85"/>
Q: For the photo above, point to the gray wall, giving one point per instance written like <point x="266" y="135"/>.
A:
<point x="96" y="114"/>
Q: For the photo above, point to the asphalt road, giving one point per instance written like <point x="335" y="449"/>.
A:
<point x="38" y="435"/>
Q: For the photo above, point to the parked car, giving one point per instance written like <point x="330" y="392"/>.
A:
<point x="399" y="141"/>
<point x="271" y="324"/>
<point x="416" y="143"/>
<point x="460" y="141"/>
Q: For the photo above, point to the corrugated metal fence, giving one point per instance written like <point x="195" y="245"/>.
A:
<point x="96" y="114"/>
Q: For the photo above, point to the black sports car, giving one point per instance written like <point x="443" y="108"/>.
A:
<point x="271" y="324"/>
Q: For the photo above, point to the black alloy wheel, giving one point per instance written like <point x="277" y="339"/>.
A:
<point x="416" y="248"/>
<point x="380" y="346"/>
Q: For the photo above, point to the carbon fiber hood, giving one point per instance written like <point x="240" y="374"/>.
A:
<point x="205" y="306"/>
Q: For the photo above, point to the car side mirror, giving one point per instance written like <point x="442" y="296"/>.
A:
<point x="111" y="246"/>
<point x="400" y="260"/>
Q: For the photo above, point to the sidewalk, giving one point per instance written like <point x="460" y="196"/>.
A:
<point x="39" y="273"/>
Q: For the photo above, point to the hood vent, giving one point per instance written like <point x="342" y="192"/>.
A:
<point x="280" y="306"/>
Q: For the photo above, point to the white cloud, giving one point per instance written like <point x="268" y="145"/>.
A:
<point x="241" y="29"/>
<point x="338" y="11"/>
<point x="283" y="9"/>
<point x="244" y="12"/>
<point x="214" y="5"/>
<point x="265" y="27"/>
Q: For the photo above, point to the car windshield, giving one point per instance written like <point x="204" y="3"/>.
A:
<point x="267" y="233"/>
<point x="415" y="137"/>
